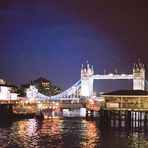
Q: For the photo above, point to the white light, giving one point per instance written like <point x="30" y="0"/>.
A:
<point x="110" y="74"/>
<point x="4" y="96"/>
<point x="85" y="90"/>
<point x="13" y="96"/>
<point x="57" y="103"/>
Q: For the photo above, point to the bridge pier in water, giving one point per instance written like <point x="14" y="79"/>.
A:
<point x="90" y="113"/>
<point x="124" y="119"/>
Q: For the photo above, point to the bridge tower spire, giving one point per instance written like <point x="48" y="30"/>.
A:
<point x="86" y="80"/>
<point x="139" y="76"/>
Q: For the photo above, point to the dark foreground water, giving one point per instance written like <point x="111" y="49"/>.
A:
<point x="69" y="133"/>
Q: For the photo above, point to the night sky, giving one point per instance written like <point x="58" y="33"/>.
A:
<point x="51" y="39"/>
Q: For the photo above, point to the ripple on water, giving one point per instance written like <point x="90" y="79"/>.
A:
<point x="67" y="132"/>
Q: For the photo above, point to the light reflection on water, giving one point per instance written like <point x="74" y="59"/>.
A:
<point x="68" y="133"/>
<point x="91" y="136"/>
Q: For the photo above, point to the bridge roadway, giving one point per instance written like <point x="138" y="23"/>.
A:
<point x="31" y="106"/>
<point x="112" y="76"/>
<point x="60" y="105"/>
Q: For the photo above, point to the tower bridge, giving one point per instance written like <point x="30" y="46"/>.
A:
<point x="88" y="77"/>
<point x="84" y="87"/>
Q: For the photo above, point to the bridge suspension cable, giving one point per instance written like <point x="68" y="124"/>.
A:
<point x="72" y="92"/>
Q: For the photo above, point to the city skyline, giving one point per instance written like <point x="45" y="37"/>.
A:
<point x="52" y="39"/>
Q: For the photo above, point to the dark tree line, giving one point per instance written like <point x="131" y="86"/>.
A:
<point x="43" y="85"/>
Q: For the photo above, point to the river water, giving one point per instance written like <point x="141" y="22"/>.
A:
<point x="60" y="132"/>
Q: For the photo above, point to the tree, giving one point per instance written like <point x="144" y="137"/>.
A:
<point x="45" y="86"/>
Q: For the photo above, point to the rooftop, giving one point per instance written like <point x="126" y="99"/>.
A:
<point x="126" y="93"/>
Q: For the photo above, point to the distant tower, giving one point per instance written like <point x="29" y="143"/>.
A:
<point x="86" y="80"/>
<point x="139" y="76"/>
<point x="31" y="92"/>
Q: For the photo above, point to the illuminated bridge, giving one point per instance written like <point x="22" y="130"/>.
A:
<point x="84" y="87"/>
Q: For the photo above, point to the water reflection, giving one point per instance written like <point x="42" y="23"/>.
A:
<point x="26" y="133"/>
<point x="28" y="127"/>
<point x="91" y="134"/>
<point x="49" y="131"/>
<point x="124" y="130"/>
<point x="72" y="132"/>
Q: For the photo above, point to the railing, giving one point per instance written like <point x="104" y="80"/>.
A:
<point x="112" y="76"/>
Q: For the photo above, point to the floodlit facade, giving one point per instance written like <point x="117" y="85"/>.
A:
<point x="6" y="95"/>
<point x="139" y="77"/>
<point x="86" y="80"/>
<point x="88" y="77"/>
<point x="127" y="99"/>
<point x="31" y="92"/>
<point x="2" y="82"/>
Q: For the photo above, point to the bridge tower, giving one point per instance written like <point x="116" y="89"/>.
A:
<point x="86" y="80"/>
<point x="139" y="76"/>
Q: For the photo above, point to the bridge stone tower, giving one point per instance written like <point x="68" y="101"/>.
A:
<point x="86" y="80"/>
<point x="139" y="76"/>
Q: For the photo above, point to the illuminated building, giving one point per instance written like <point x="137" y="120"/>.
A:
<point x="2" y="82"/>
<point x="31" y="92"/>
<point x="88" y="77"/>
<point x="45" y="87"/>
<point x="86" y="80"/>
<point x="5" y="93"/>
<point x="139" y="76"/>
<point x="127" y="99"/>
